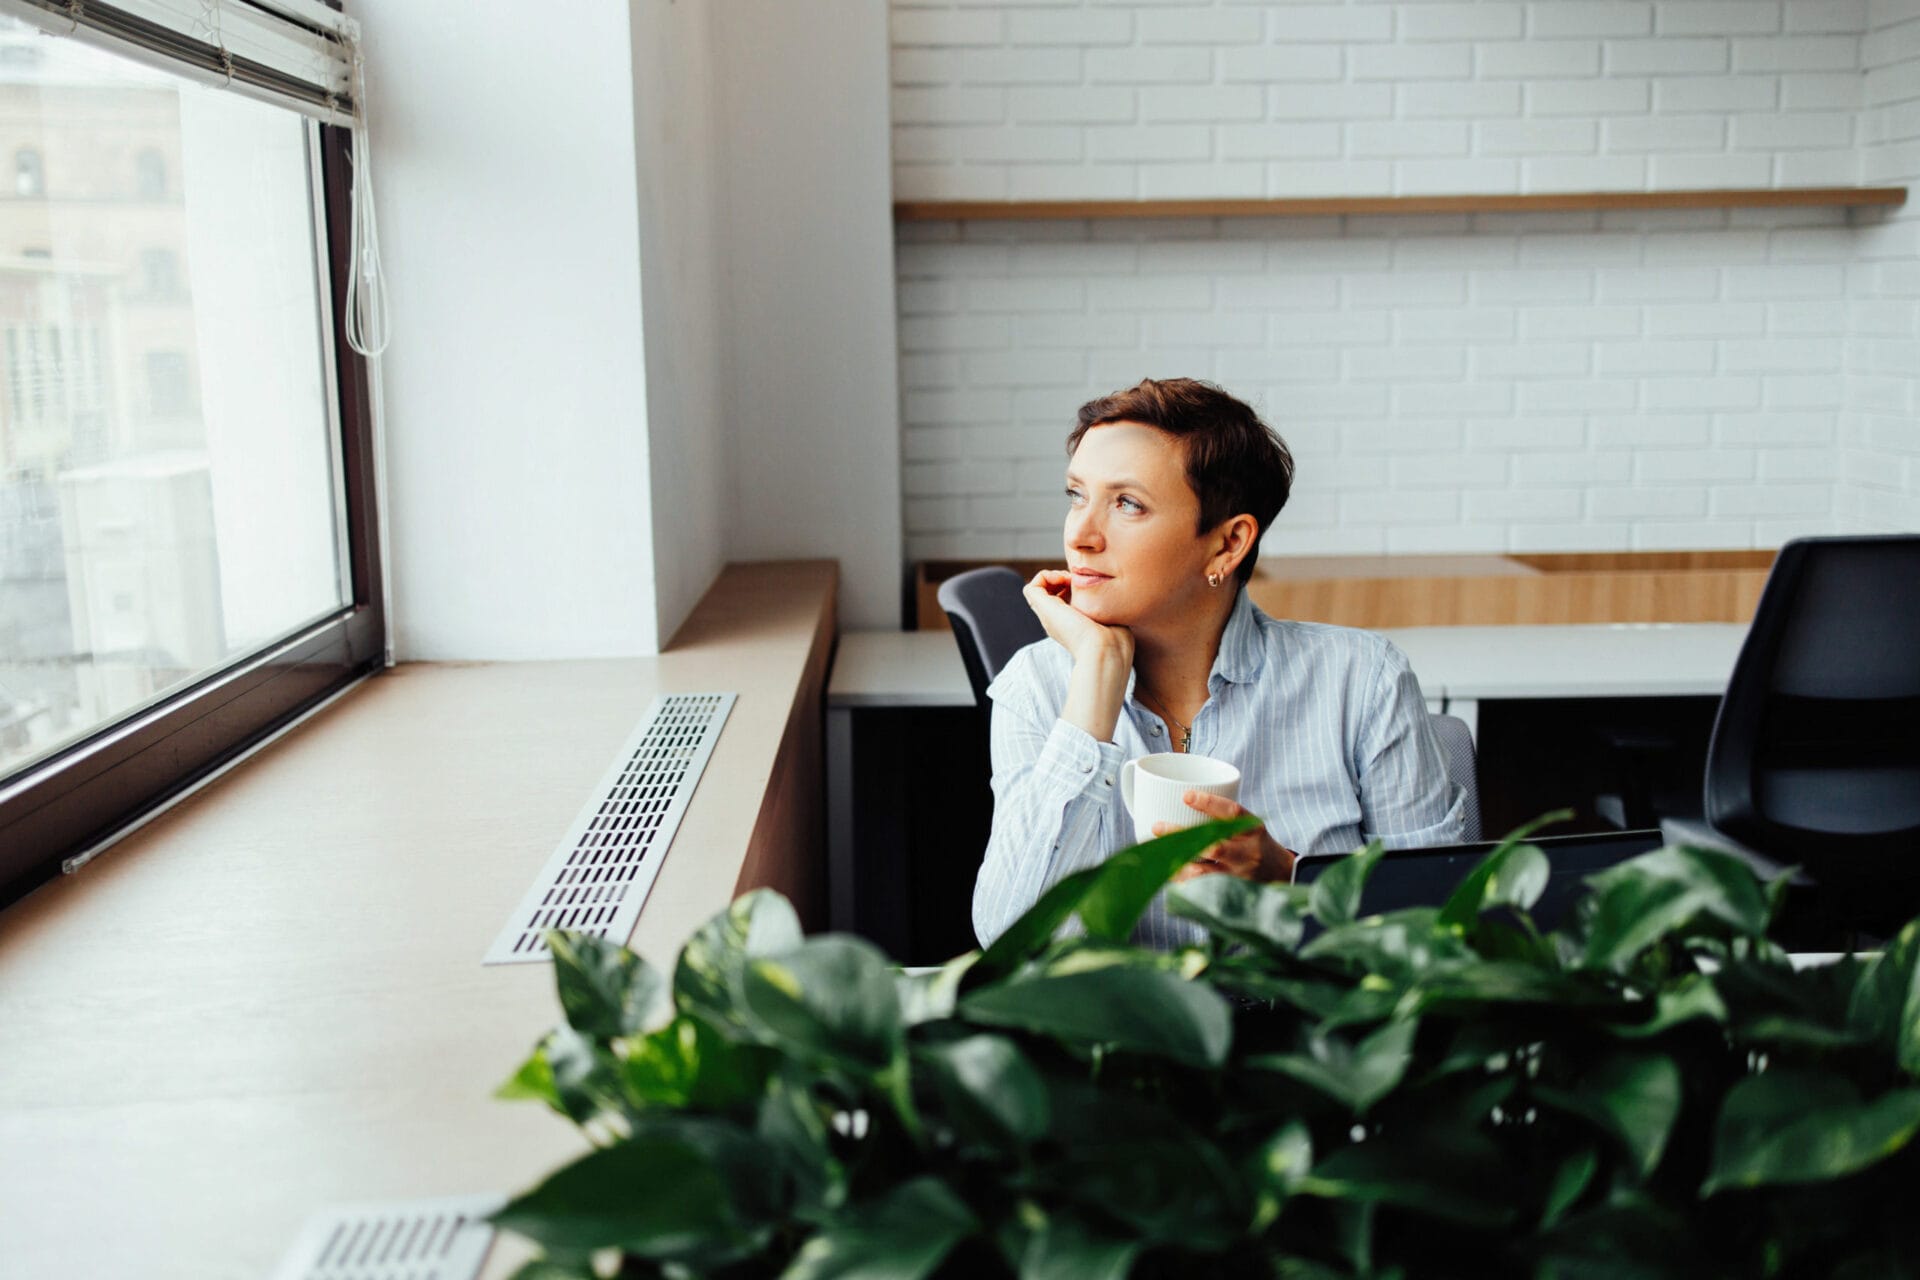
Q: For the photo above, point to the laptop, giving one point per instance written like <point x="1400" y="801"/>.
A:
<point x="1426" y="877"/>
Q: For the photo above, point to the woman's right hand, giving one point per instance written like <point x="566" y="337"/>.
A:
<point x="1050" y="595"/>
<point x="1102" y="655"/>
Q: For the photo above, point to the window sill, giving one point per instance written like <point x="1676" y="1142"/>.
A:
<point x="271" y="997"/>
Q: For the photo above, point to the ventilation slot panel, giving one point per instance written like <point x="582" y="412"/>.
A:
<point x="443" y="1239"/>
<point x="599" y="875"/>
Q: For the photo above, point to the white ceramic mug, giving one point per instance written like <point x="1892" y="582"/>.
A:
<point x="1151" y="788"/>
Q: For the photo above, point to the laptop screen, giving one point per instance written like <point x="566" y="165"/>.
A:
<point x="1425" y="877"/>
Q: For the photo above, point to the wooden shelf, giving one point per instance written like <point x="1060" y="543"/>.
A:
<point x="1333" y="206"/>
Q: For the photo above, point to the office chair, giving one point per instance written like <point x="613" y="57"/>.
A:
<point x="1456" y="750"/>
<point x="1815" y="755"/>
<point x="991" y="623"/>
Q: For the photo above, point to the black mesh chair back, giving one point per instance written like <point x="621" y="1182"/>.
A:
<point x="1456" y="750"/>
<point x="1815" y="756"/>
<point x="991" y="622"/>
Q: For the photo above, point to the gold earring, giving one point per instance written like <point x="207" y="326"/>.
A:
<point x="1213" y="579"/>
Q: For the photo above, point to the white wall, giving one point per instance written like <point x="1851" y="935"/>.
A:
<point x="641" y="271"/>
<point x="1535" y="382"/>
<point x="516" y="409"/>
<point x="810" y="367"/>
<point x="1881" y="424"/>
<point x="677" y="172"/>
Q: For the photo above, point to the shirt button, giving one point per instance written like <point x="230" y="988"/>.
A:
<point x="1086" y="768"/>
<point x="1154" y="729"/>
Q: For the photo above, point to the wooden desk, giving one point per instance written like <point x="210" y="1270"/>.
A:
<point x="1503" y="589"/>
<point x="1576" y="589"/>
<point x="271" y="999"/>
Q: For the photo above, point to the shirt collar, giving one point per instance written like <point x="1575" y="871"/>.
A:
<point x="1238" y="661"/>
<point x="1241" y="651"/>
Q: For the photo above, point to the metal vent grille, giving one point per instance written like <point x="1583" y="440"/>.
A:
<point x="444" y="1239"/>
<point x="599" y="875"/>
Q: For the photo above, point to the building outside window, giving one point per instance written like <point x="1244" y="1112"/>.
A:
<point x="168" y="389"/>
<point x="29" y="173"/>
<point x="150" y="168"/>
<point x="160" y="274"/>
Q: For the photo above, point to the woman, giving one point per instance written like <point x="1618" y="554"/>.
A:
<point x="1154" y="646"/>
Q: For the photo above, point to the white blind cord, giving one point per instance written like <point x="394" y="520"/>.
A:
<point x="366" y="319"/>
<point x="367" y="302"/>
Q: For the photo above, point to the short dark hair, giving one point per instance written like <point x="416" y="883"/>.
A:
<point x="1235" y="462"/>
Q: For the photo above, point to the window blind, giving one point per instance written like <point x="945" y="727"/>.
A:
<point x="292" y="53"/>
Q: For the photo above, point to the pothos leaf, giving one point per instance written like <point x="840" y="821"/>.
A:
<point x="1336" y="894"/>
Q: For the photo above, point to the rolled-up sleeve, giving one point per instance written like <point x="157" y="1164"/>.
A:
<point x="1406" y="799"/>
<point x="1052" y="791"/>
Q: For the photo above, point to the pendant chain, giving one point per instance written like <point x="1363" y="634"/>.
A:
<point x="1154" y="704"/>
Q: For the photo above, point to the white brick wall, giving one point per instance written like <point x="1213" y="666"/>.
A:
<point x="1524" y="382"/>
<point x="1750" y="85"/>
<point x="1558" y="408"/>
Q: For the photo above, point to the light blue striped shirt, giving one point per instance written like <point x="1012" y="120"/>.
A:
<point x="1326" y="725"/>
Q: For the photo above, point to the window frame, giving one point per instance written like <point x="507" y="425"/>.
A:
<point x="84" y="796"/>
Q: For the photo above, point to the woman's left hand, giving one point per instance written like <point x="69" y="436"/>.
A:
<point x="1251" y="855"/>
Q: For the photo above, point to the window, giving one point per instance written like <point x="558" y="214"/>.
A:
<point x="29" y="173"/>
<point x="150" y="175"/>
<point x="187" y="552"/>
<point x="168" y="392"/>
<point x="160" y="274"/>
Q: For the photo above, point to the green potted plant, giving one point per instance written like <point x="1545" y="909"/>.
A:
<point x="1654" y="1090"/>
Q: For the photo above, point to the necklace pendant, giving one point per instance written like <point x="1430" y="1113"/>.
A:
<point x="1186" y="739"/>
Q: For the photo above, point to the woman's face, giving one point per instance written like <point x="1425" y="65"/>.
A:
<point x="1131" y="516"/>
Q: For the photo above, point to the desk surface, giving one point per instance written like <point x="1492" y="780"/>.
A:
<point x="898" y="669"/>
<point x="1604" y="660"/>
<point x="923" y="669"/>
<point x="271" y="998"/>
